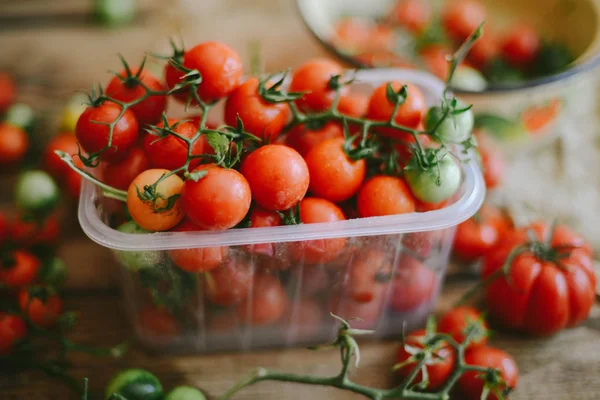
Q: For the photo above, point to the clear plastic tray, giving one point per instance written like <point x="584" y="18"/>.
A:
<point x="404" y="245"/>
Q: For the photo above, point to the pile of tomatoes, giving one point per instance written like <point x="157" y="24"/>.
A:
<point x="516" y="54"/>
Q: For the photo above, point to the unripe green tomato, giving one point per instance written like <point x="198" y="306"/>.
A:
<point x="36" y="192"/>
<point x="54" y="272"/>
<point x="455" y="128"/>
<point x="21" y="115"/>
<point x="467" y="78"/>
<point x="185" y="393"/>
<point x="424" y="182"/>
<point x="136" y="260"/>
<point x="135" y="384"/>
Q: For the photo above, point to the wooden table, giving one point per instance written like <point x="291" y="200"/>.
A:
<point x="67" y="54"/>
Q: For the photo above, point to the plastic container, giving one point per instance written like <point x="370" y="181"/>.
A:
<point x="405" y="257"/>
<point x="519" y="116"/>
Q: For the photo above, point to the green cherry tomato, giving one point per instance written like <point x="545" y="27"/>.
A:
<point x="136" y="260"/>
<point x="424" y="182"/>
<point x="36" y="192"/>
<point x="54" y="272"/>
<point x="455" y="128"/>
<point x="115" y="12"/>
<point x="20" y="115"/>
<point x="135" y="384"/>
<point x="185" y="393"/>
<point x="467" y="78"/>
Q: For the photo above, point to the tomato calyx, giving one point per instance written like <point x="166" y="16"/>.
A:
<point x="274" y="94"/>
<point x="493" y="383"/>
<point x="150" y="194"/>
<point x="190" y="80"/>
<point x="95" y="97"/>
<point x="130" y="80"/>
<point x="366" y="147"/>
<point x="291" y="216"/>
<point x="335" y="82"/>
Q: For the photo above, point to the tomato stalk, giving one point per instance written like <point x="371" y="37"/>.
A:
<point x="406" y="390"/>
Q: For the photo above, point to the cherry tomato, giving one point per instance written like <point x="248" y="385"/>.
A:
<point x="439" y="367"/>
<point x="365" y="273"/>
<point x="313" y="78"/>
<point x="120" y="174"/>
<point x="267" y="302"/>
<point x="314" y="210"/>
<point x="196" y="259"/>
<point x="303" y="139"/>
<point x="478" y="235"/>
<point x="456" y="321"/>
<point x="229" y="284"/>
<point x="492" y="163"/>
<point x="170" y="152"/>
<point x="278" y="176"/>
<point x="452" y="128"/>
<point x="43" y="314"/>
<point x="310" y="280"/>
<point x="521" y="45"/>
<point x="435" y="57"/>
<point x="435" y="184"/>
<point x="155" y="215"/>
<point x="260" y="118"/>
<point x="225" y="322"/>
<point x="73" y="180"/>
<point x="4" y="227"/>
<point x="220" y="67"/>
<point x="93" y="132"/>
<point x="14" y="143"/>
<point x="52" y="163"/>
<point x="127" y="89"/>
<point x="352" y="34"/>
<point x="12" y="330"/>
<point x="173" y="77"/>
<point x="471" y="383"/>
<point x="549" y="288"/>
<point x="368" y="314"/>
<point x="460" y="18"/>
<point x="19" y="268"/>
<point x="8" y="91"/>
<point x="36" y="193"/>
<point x="158" y="322"/>
<point x="382" y="59"/>
<point x="384" y="195"/>
<point x="260" y="218"/>
<point x="303" y="320"/>
<point x="333" y="175"/>
<point x="484" y="50"/>
<point x="414" y="15"/>
<point x="409" y="113"/>
<point x="421" y="243"/>
<point x="353" y="105"/>
<point x="414" y="284"/>
<point x="219" y="200"/>
<point x="27" y="233"/>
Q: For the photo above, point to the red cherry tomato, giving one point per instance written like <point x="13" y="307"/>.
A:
<point x="521" y="45"/>
<point x="352" y="34"/>
<point x="302" y="139"/>
<point x="219" y="200"/>
<point x="414" y="284"/>
<point x="126" y="90"/>
<point x="435" y="58"/>
<point x="4" y="227"/>
<point x="52" y="163"/>
<point x="28" y="233"/>
<point x="43" y="314"/>
<point x="220" y="67"/>
<point x="366" y="273"/>
<point x="170" y="152"/>
<point x="333" y="175"/>
<point x="456" y="321"/>
<point x="20" y="268"/>
<point x="314" y="210"/>
<point x="478" y="235"/>
<point x="313" y="78"/>
<point x="310" y="280"/>
<point x="471" y="383"/>
<point x="225" y="322"/>
<point x="267" y="302"/>
<point x="14" y="143"/>
<point x="230" y="283"/>
<point x="484" y="50"/>
<point x="12" y="330"/>
<point x="384" y="195"/>
<point x="122" y="173"/>
<point x="368" y="314"/>
<point x="460" y="18"/>
<point x="173" y="77"/>
<point x="73" y="181"/>
<point x="8" y="91"/>
<point x="548" y="289"/>
<point x="353" y="105"/>
<point x="438" y="368"/>
<point x="93" y="132"/>
<point x="196" y="259"/>
<point x="278" y="176"/>
<point x="260" y="118"/>
<point x="492" y="163"/>
<point x="422" y="243"/>
<point x="409" y="114"/>
<point x="261" y="218"/>
<point x="158" y="322"/>
<point x="414" y="15"/>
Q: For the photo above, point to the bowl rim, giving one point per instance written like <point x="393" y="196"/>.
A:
<point x="577" y="69"/>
